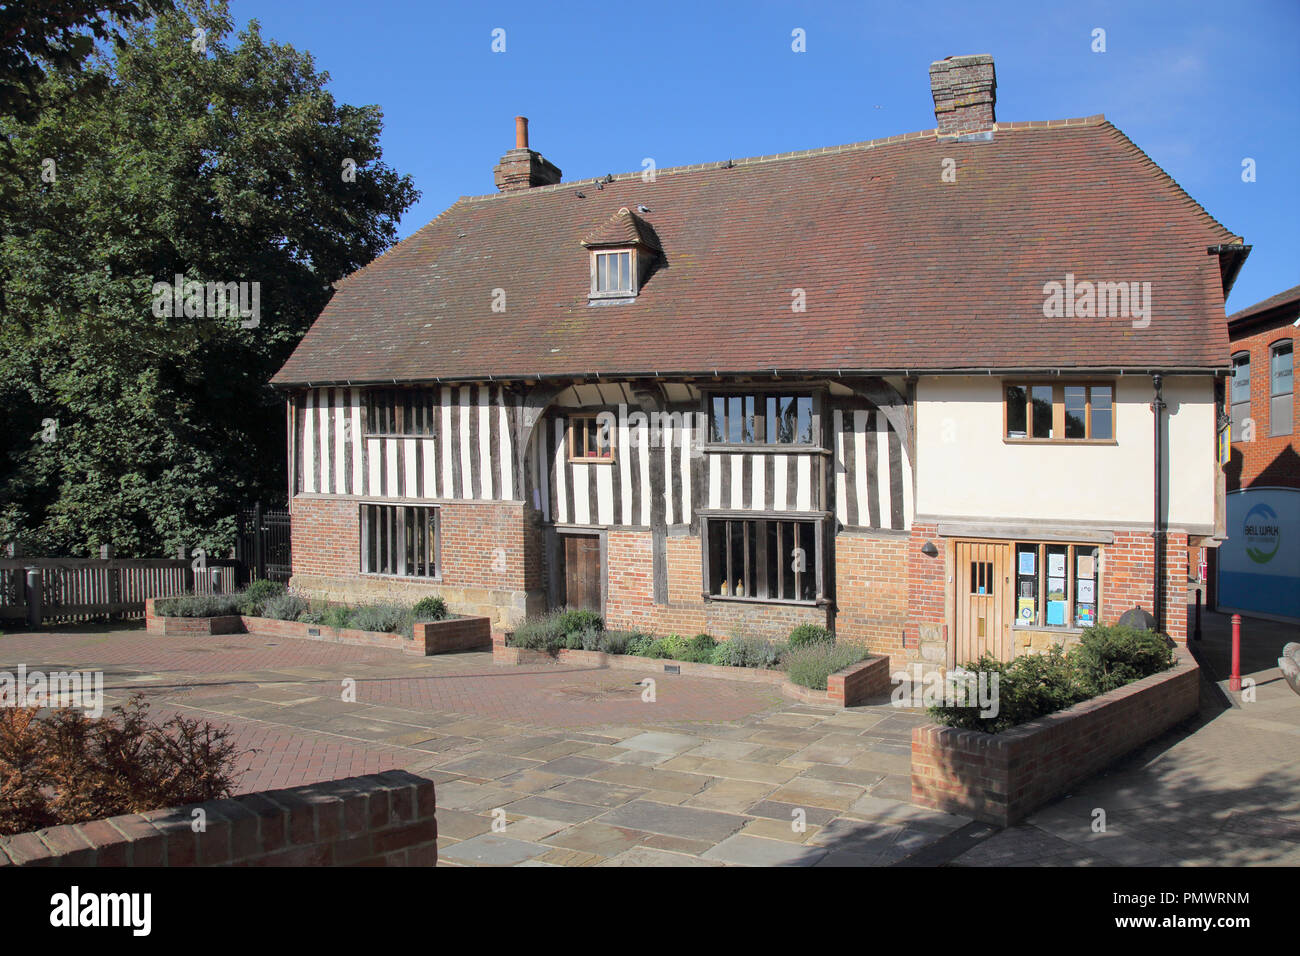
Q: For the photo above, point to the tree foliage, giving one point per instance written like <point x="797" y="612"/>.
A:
<point x="221" y="161"/>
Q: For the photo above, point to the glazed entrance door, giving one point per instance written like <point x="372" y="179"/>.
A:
<point x="984" y="606"/>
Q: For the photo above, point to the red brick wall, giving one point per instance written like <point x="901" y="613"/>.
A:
<point x="1265" y="461"/>
<point x="1000" y="778"/>
<point x="1127" y="578"/>
<point x="629" y="601"/>
<point x="871" y="590"/>
<point x="327" y="540"/>
<point x="385" y="819"/>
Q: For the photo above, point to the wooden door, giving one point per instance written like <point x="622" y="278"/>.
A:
<point x="984" y="606"/>
<point x="583" y="586"/>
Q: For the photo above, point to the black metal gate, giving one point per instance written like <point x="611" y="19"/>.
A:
<point x="263" y="543"/>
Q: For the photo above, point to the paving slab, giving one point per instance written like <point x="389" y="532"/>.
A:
<point x="743" y="850"/>
<point x="492" y="849"/>
<point x="688" y="822"/>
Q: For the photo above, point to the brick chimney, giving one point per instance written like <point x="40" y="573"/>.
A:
<point x="965" y="89"/>
<point x="521" y="167"/>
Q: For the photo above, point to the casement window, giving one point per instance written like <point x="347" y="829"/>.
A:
<point x="1039" y="411"/>
<point x="400" y="411"/>
<point x="760" y="418"/>
<point x="588" y="440"/>
<point x="1057" y="585"/>
<point x="763" y="559"/>
<point x="400" y="540"/>
<point x="613" y="273"/>
<point x="1239" y="394"/>
<point x="1280" y="385"/>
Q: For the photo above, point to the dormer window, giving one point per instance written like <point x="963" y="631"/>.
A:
<point x="612" y="273"/>
<point x="624" y="252"/>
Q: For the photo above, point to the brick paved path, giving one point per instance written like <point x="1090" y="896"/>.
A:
<point x="577" y="768"/>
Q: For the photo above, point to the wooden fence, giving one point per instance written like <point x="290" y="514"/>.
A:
<point x="78" y="589"/>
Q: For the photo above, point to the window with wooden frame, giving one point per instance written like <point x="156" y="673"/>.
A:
<point x="400" y="540"/>
<point x="1057" y="585"/>
<point x="763" y="559"/>
<point x="1057" y="411"/>
<point x="1281" y="408"/>
<point x="401" y="411"/>
<point x="1239" y="394"/>
<point x="590" y="439"/>
<point x="761" y="418"/>
<point x="613" y="272"/>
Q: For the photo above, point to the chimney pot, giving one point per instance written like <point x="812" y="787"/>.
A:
<point x="965" y="93"/>
<point x="521" y="167"/>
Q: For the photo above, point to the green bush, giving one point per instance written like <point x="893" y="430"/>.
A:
<point x="430" y="609"/>
<point x="539" y="634"/>
<point x="198" y="605"/>
<point x="615" y="642"/>
<point x="639" y="645"/>
<point x="384" y="618"/>
<point x="337" y="616"/>
<point x="253" y="601"/>
<point x="806" y="634"/>
<point x="575" y="621"/>
<point x="741" y="651"/>
<point x="1033" y="685"/>
<point x="1110" y="657"/>
<point x="809" y="665"/>
<point x="284" y="607"/>
<point x="699" y="649"/>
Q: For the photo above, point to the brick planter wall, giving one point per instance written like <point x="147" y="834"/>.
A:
<point x="385" y="819"/>
<point x="430" y="637"/>
<point x="847" y="688"/>
<point x="1001" y="778"/>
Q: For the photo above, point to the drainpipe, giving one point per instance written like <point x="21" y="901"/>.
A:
<point x="1157" y="527"/>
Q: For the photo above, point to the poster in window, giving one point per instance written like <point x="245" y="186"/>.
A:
<point x="1056" y="612"/>
<point x="1025" y="610"/>
<point x="1056" y="565"/>
<point x="1086" y="563"/>
<point x="1087" y="590"/>
<point x="1087" y="614"/>
<point x="1026" y="562"/>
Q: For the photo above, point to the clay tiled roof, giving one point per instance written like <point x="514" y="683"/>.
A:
<point x="899" y="269"/>
<point x="1290" y="297"/>
<point x="625" y="228"/>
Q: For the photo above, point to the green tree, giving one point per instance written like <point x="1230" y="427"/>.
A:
<point x="221" y="161"/>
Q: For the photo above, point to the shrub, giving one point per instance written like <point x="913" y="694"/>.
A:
<point x="740" y="651"/>
<point x="806" y="634"/>
<point x="284" y="607"/>
<point x="253" y="601"/>
<point x="575" y="621"/>
<point x="639" y="645"/>
<point x="199" y="605"/>
<point x="699" y="649"/>
<point x="1110" y="657"/>
<point x="384" y="618"/>
<point x="615" y="642"/>
<point x="539" y="634"/>
<point x="337" y="616"/>
<point x="809" y="665"/>
<point x="67" y="768"/>
<point x="430" y="609"/>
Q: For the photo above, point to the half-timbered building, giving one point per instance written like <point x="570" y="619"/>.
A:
<point x="949" y="392"/>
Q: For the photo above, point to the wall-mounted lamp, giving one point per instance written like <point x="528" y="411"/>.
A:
<point x="929" y="550"/>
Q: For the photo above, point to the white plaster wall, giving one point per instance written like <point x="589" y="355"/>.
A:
<point x="966" y="469"/>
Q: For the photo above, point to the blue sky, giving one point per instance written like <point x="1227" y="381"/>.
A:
<point x="1199" y="86"/>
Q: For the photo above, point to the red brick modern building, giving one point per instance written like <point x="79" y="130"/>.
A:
<point x="1259" y="566"/>
<point x="903" y="388"/>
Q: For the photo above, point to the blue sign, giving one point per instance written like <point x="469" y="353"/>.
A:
<point x="1259" y="564"/>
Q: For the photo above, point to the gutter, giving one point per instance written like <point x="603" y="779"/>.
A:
<point x="1047" y="370"/>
